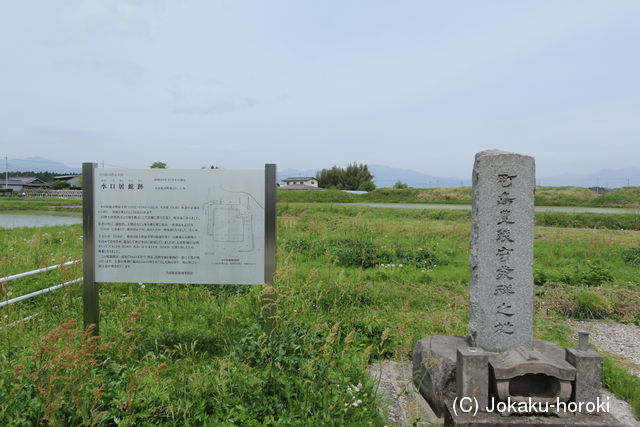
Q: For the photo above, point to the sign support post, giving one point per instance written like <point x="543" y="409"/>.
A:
<point x="269" y="222"/>
<point x="269" y="301"/>
<point x="91" y="306"/>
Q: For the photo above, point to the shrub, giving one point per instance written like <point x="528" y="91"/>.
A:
<point x="60" y="185"/>
<point x="540" y="277"/>
<point x="631" y="255"/>
<point x="355" y="253"/>
<point x="591" y="273"/>
<point x="591" y="305"/>
<point x="364" y="253"/>
<point x="367" y="186"/>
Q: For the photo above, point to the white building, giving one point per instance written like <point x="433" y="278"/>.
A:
<point x="300" y="183"/>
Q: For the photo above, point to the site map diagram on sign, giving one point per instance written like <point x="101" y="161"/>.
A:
<point x="230" y="222"/>
<point x="179" y="226"/>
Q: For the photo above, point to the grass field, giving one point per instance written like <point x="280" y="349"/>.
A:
<point x="627" y="197"/>
<point x="354" y="285"/>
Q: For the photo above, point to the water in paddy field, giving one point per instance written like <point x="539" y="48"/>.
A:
<point x="21" y="220"/>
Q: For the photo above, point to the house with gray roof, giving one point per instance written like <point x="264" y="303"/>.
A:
<point x="21" y="183"/>
<point x="300" y="183"/>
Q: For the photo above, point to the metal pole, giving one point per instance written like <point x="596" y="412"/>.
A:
<point x="269" y="222"/>
<point x="40" y="270"/>
<point x="6" y="172"/>
<point x="40" y="292"/>
<point x="17" y="322"/>
<point x="91" y="307"/>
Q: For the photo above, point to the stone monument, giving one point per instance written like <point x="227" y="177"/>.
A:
<point x="499" y="370"/>
<point x="502" y="252"/>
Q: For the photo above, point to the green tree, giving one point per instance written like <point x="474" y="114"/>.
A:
<point x="399" y="184"/>
<point x="353" y="177"/>
<point x="367" y="186"/>
<point x="59" y="185"/>
<point x="158" y="165"/>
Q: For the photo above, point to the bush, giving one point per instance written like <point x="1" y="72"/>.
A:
<point x="631" y="255"/>
<point x="591" y="305"/>
<point x="367" y="186"/>
<point x="540" y="277"/>
<point x="60" y="185"/>
<point x="355" y="253"/>
<point x="363" y="253"/>
<point x="591" y="273"/>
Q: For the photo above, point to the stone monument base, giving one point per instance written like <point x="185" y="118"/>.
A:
<point x="560" y="386"/>
<point x="434" y="369"/>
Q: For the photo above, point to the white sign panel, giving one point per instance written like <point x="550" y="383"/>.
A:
<point x="179" y="226"/>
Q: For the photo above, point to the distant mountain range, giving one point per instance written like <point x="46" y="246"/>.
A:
<point x="607" y="178"/>
<point x="39" y="164"/>
<point x="386" y="176"/>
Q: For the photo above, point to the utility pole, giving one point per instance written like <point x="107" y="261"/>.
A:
<point x="6" y="172"/>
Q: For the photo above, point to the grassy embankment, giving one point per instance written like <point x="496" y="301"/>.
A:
<point x="23" y="205"/>
<point x="627" y="197"/>
<point x="355" y="285"/>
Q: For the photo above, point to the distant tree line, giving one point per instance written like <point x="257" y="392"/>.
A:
<point x="600" y="190"/>
<point x="43" y="176"/>
<point x="353" y="177"/>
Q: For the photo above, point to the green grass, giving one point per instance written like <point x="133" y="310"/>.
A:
<point x="197" y="354"/>
<point x="627" y="197"/>
<point x="623" y="384"/>
<point x="550" y="219"/>
<point x="23" y="205"/>
<point x="589" y="220"/>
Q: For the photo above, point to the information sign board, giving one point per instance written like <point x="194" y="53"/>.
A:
<point x="179" y="226"/>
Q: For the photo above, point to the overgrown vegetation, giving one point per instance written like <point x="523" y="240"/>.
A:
<point x="354" y="285"/>
<point x="364" y="253"/>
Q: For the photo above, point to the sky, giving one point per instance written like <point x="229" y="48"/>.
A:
<point x="420" y="85"/>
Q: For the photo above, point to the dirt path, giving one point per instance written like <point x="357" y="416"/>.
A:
<point x="616" y="338"/>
